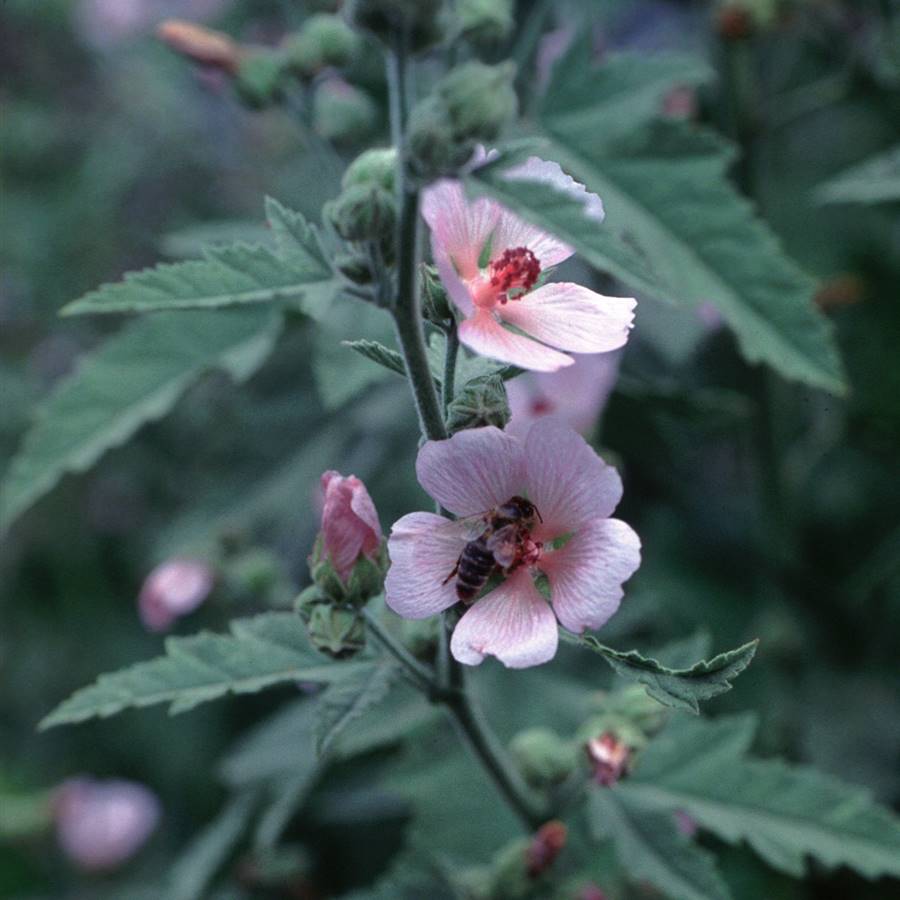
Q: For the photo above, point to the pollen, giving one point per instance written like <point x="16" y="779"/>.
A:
<point x="516" y="269"/>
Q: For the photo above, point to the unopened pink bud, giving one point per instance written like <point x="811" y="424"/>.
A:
<point x="173" y="589"/>
<point x="100" y="824"/>
<point x="545" y="846"/>
<point x="350" y="526"/>
<point x="609" y="757"/>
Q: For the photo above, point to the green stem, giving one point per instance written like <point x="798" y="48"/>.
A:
<point x="451" y="351"/>
<point x="484" y="745"/>
<point x="422" y="677"/>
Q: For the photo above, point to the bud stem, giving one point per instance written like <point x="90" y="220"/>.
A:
<point x="419" y="673"/>
<point x="451" y="350"/>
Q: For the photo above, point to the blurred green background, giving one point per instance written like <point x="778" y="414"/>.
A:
<point x="765" y="509"/>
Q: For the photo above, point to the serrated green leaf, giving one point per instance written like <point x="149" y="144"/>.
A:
<point x="346" y="700"/>
<point x="378" y="353"/>
<point x="875" y="180"/>
<point x="262" y="651"/>
<point x="193" y="871"/>
<point x="235" y="275"/>
<point x="133" y="378"/>
<point x="784" y="812"/>
<point x="650" y="848"/>
<point x="678" y="688"/>
<point x="675" y="228"/>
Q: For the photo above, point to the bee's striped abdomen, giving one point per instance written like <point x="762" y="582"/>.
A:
<point x="475" y="566"/>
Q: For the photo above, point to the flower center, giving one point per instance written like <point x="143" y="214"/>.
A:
<point x="516" y="269"/>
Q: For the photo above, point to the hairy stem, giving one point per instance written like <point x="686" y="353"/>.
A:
<point x="451" y="351"/>
<point x="484" y="745"/>
<point x="419" y="673"/>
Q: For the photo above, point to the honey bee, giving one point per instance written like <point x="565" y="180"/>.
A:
<point x="501" y="540"/>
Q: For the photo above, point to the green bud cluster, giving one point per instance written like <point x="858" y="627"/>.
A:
<point x="423" y="22"/>
<point x="543" y="757"/>
<point x="362" y="213"/>
<point x="259" y="77"/>
<point x="485" y="23"/>
<point x="469" y="106"/>
<point x="323" y="41"/>
<point x="482" y="401"/>
<point x="343" y="113"/>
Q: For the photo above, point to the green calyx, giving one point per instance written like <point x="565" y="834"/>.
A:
<point x="482" y="401"/>
<point x="324" y="40"/>
<point x="543" y="757"/>
<point x="363" y="212"/>
<point x="420" y="23"/>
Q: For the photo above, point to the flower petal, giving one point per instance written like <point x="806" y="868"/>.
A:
<point x="473" y="471"/>
<point x="572" y="317"/>
<point x="567" y="481"/>
<point x="513" y="623"/>
<point x="511" y="231"/>
<point x="459" y="228"/>
<point x="485" y="335"/>
<point x="424" y="549"/>
<point x="587" y="574"/>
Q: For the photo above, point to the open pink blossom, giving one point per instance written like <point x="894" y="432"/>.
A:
<point x="491" y="263"/>
<point x="576" y="394"/>
<point x="585" y="555"/>
<point x="100" y="824"/>
<point x="350" y="526"/>
<point x="172" y="590"/>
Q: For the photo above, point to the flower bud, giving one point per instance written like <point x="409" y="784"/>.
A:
<point x="324" y="40"/>
<point x="424" y="22"/>
<point x="259" y="77"/>
<point x="545" y="847"/>
<point x="355" y="267"/>
<point x="172" y="590"/>
<point x="610" y="758"/>
<point x="481" y="402"/>
<point x="469" y="106"/>
<point x="362" y="213"/>
<point x="348" y="561"/>
<point x="485" y="22"/>
<point x="201" y="45"/>
<point x="100" y="824"/>
<point x="377" y="166"/>
<point x="480" y="99"/>
<point x="543" y="757"/>
<point x="336" y="631"/>
<point x="341" y="112"/>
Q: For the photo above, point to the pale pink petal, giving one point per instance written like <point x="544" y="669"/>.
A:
<point x="587" y="574"/>
<point x="459" y="228"/>
<point x="572" y="317"/>
<point x="511" y="231"/>
<point x="173" y="589"/>
<point x="513" y="623"/>
<point x="473" y="471"/>
<point x="576" y="394"/>
<point x="423" y="548"/>
<point x="567" y="481"/>
<point x="456" y="288"/>
<point x="485" y="335"/>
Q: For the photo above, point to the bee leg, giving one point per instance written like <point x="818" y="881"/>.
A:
<point x="450" y="577"/>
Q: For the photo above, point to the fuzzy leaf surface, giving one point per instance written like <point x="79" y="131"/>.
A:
<point x="233" y="275"/>
<point x="268" y="649"/>
<point x="876" y="180"/>
<point x="135" y="377"/>
<point x="678" y="688"/>
<point x="784" y="812"/>
<point x="650" y="848"/>
<point x="346" y="700"/>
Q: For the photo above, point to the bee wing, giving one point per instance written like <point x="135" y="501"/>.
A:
<point x="474" y="526"/>
<point x="504" y="544"/>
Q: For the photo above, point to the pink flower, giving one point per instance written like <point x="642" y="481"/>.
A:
<point x="100" y="824"/>
<point x="609" y="757"/>
<point x="491" y="261"/>
<point x="350" y="526"/>
<point x="576" y="394"/>
<point x="173" y="589"/>
<point x="584" y="554"/>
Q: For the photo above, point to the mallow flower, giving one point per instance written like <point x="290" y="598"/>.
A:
<point x="583" y="555"/>
<point x="492" y="264"/>
<point x="100" y="824"/>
